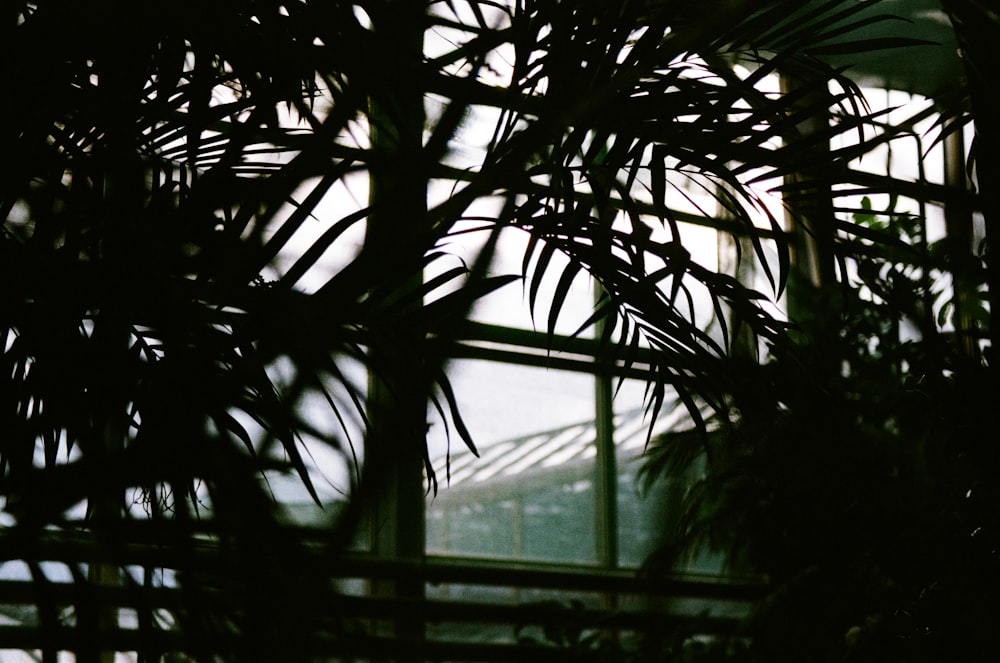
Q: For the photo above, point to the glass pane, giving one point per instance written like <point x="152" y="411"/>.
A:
<point x="647" y="517"/>
<point x="530" y="493"/>
<point x="510" y="305"/>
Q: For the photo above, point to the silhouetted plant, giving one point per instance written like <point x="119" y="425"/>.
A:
<point x="159" y="343"/>
<point x="854" y="467"/>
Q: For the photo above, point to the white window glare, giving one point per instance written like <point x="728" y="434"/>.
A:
<point x="55" y="572"/>
<point x="467" y="148"/>
<point x="340" y="212"/>
<point x="364" y="20"/>
<point x="14" y="570"/>
<point x="506" y="401"/>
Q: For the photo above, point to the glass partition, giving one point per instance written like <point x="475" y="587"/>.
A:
<point x="529" y="494"/>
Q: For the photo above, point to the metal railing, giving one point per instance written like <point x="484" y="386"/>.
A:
<point x="482" y="610"/>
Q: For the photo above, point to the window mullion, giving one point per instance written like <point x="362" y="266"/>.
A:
<point x="606" y="472"/>
<point x="606" y="484"/>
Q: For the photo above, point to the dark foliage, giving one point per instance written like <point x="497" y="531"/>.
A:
<point x="856" y="471"/>
<point x="160" y="346"/>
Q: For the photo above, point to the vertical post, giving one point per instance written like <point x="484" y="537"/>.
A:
<point x="606" y="488"/>
<point x="810" y="218"/>
<point x="394" y="245"/>
<point x="606" y="465"/>
<point x="958" y="225"/>
<point x="121" y="76"/>
<point x="606" y="469"/>
<point x="976" y="26"/>
<point x="742" y="341"/>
